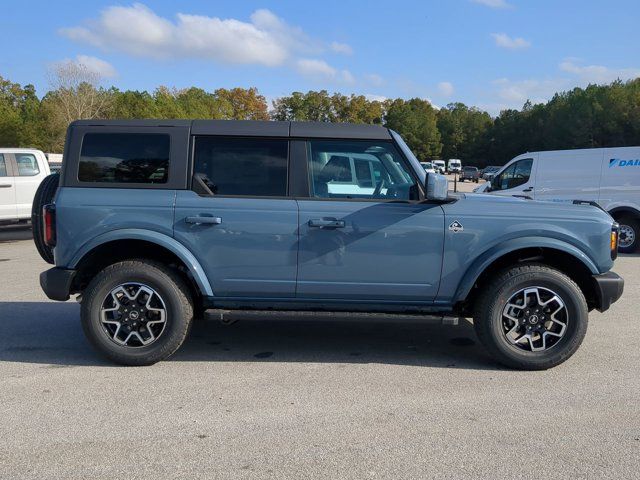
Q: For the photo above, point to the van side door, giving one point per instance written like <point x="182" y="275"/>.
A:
<point x="237" y="218"/>
<point x="7" y="189"/>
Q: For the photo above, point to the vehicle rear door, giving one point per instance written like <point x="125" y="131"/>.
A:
<point x="363" y="234"/>
<point x="29" y="174"/>
<point x="238" y="219"/>
<point x="7" y="189"/>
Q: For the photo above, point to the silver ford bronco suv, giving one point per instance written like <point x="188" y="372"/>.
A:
<point x="152" y="222"/>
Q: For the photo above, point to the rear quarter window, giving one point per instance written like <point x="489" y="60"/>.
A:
<point x="137" y="158"/>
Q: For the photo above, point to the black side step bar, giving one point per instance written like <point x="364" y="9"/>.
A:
<point x="231" y="316"/>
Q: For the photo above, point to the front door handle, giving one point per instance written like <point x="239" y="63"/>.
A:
<point x="5" y="185"/>
<point x="202" y="220"/>
<point x="326" y="223"/>
<point x="530" y="189"/>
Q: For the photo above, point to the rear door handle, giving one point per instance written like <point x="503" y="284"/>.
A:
<point x="202" y="220"/>
<point x="5" y="185"/>
<point x="327" y="223"/>
<point x="530" y="189"/>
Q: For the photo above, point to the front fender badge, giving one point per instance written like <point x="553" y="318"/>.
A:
<point x="456" y="227"/>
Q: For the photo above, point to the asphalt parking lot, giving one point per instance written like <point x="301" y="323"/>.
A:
<point x="308" y="398"/>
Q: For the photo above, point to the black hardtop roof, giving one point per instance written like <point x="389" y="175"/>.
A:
<point x="256" y="128"/>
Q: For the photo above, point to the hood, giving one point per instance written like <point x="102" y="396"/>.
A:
<point x="487" y="204"/>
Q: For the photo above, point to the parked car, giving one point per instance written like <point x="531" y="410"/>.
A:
<point x="21" y="171"/>
<point x="489" y="172"/>
<point x="470" y="173"/>
<point x="439" y="165"/>
<point x="152" y="221"/>
<point x="428" y="167"/>
<point x="608" y="176"/>
<point x="454" y="166"/>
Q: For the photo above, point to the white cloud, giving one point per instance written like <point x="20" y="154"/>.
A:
<point x="319" y="70"/>
<point x="375" y="98"/>
<point x="446" y="89"/>
<point x="341" y="48"/>
<point x="315" y="68"/>
<point x="137" y="30"/>
<point x="598" y="73"/>
<point x="96" y="65"/>
<point x="493" y="3"/>
<point x="505" y="41"/>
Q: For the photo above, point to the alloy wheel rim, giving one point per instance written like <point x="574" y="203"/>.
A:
<point x="133" y="315"/>
<point x="534" y="319"/>
<point x="626" y="236"/>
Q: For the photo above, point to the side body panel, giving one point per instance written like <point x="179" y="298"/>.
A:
<point x="82" y="214"/>
<point x="384" y="251"/>
<point x="564" y="176"/>
<point x="492" y="227"/>
<point x="620" y="185"/>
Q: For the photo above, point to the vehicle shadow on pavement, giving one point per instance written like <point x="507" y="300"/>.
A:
<point x="15" y="233"/>
<point x="50" y="333"/>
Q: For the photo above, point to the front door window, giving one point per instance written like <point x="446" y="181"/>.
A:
<point x="515" y="175"/>
<point x="359" y="170"/>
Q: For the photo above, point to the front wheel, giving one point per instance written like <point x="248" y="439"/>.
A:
<point x="629" y="234"/>
<point x="137" y="312"/>
<point x="531" y="317"/>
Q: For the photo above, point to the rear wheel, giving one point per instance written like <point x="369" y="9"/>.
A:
<point x="531" y="317"/>
<point x="137" y="312"/>
<point x="629" y="234"/>
<point x="44" y="195"/>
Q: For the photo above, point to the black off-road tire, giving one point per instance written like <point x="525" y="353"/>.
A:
<point x="172" y="289"/>
<point x="490" y="304"/>
<point x="44" y="195"/>
<point x="634" y="224"/>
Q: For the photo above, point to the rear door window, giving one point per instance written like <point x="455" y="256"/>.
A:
<point x="251" y="167"/>
<point x="141" y="158"/>
<point x="27" y="165"/>
<point x="3" y="166"/>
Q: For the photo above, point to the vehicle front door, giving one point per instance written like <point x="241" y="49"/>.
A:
<point x="363" y="234"/>
<point x="516" y="179"/>
<point x="238" y="219"/>
<point x="7" y="190"/>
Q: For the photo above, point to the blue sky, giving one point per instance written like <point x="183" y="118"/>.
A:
<point x="490" y="53"/>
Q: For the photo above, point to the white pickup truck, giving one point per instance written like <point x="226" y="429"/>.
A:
<point x="21" y="171"/>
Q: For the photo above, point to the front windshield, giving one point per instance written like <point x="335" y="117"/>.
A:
<point x="415" y="163"/>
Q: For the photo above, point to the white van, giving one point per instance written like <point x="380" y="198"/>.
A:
<point x="454" y="166"/>
<point x="608" y="176"/>
<point x="21" y="171"/>
<point x="439" y="165"/>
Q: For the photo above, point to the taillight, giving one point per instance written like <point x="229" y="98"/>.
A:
<point x="615" y="229"/>
<point x="49" y="224"/>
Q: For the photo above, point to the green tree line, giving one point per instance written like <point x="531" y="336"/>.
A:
<point x="596" y="116"/>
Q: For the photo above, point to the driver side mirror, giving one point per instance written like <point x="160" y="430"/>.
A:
<point x="436" y="186"/>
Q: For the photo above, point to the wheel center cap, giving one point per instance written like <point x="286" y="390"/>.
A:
<point x="134" y="315"/>
<point x="533" y="319"/>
